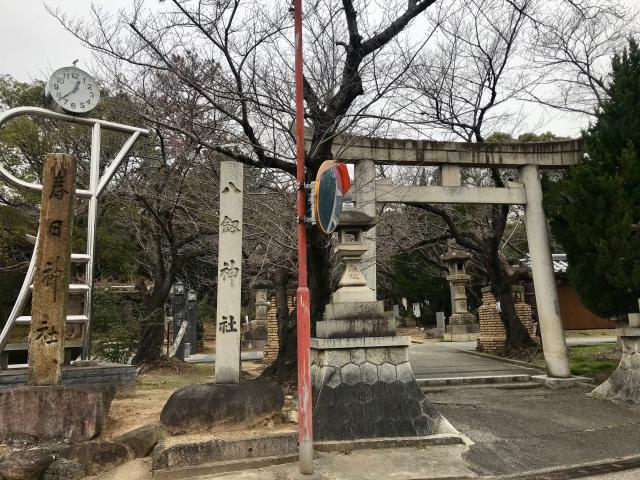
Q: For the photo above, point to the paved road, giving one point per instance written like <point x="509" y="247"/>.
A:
<point x="211" y="358"/>
<point x="531" y="429"/>
<point x="445" y="360"/>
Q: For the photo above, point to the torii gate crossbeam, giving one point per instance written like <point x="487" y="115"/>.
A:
<point x="527" y="158"/>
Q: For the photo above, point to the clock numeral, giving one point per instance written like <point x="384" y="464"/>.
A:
<point x="89" y="101"/>
<point x="89" y="87"/>
<point x="65" y="101"/>
<point x="56" y="86"/>
<point x="58" y="94"/>
<point x="74" y="76"/>
<point x="60" y="80"/>
<point x="73" y="105"/>
<point x="81" y="105"/>
<point x="91" y="94"/>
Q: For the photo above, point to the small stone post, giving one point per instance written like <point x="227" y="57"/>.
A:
<point x="53" y="265"/>
<point x="229" y="274"/>
<point x="192" y="318"/>
<point x="178" y="316"/>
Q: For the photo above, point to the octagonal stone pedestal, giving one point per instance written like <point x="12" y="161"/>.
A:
<point x="365" y="388"/>
<point x="623" y="386"/>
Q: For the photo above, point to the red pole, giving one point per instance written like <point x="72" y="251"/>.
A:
<point x="305" y="428"/>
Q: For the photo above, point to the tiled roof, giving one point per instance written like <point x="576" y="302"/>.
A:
<point x="560" y="264"/>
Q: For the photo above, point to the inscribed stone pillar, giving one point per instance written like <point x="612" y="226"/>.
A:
<point x="229" y="274"/>
<point x="365" y="201"/>
<point x="544" y="282"/>
<point x="51" y="279"/>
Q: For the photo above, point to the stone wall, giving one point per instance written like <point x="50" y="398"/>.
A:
<point x="492" y="333"/>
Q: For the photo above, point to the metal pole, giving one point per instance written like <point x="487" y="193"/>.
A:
<point x="305" y="430"/>
<point x="92" y="215"/>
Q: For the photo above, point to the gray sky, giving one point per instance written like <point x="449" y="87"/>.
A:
<point x="34" y="44"/>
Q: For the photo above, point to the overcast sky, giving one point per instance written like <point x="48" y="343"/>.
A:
<point x="34" y="44"/>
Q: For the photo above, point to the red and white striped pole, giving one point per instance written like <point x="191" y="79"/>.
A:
<point x="305" y="425"/>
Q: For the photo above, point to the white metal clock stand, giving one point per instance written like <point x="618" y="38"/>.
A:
<point x="97" y="185"/>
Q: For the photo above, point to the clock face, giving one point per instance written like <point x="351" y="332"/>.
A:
<point x="73" y="90"/>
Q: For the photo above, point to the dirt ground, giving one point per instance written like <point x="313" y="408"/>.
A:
<point x="154" y="388"/>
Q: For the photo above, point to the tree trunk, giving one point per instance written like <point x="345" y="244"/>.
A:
<point x="283" y="368"/>
<point x="151" y="332"/>
<point x="517" y="335"/>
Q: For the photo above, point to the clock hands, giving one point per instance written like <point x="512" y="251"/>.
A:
<point x="75" y="89"/>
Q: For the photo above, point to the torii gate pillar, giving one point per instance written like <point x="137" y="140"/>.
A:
<point x="544" y="282"/>
<point x="365" y="201"/>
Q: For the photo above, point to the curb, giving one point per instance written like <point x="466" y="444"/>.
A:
<point x="213" y="468"/>
<point x="216" y="467"/>
<point x="479" y="380"/>
<point x="517" y="363"/>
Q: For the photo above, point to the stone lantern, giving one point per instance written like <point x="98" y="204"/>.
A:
<point x="353" y="311"/>
<point x="360" y="371"/>
<point x="463" y="325"/>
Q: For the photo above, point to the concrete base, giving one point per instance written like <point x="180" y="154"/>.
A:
<point x="123" y="377"/>
<point x="365" y="388"/>
<point x="557" y="383"/>
<point x="467" y="332"/>
<point x="461" y="337"/>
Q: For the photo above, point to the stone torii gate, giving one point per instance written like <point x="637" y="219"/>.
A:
<point x="449" y="157"/>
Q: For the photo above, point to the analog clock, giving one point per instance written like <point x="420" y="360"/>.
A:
<point x="72" y="90"/>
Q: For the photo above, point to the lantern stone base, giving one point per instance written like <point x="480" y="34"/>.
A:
<point x="365" y="388"/>
<point x="463" y="327"/>
<point x="623" y="386"/>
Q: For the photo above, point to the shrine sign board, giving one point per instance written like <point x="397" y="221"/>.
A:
<point x="53" y="263"/>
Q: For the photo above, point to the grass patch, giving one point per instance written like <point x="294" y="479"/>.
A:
<point x="593" y="361"/>
<point x="174" y="377"/>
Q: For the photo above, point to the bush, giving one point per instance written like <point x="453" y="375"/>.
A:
<point x="115" y="325"/>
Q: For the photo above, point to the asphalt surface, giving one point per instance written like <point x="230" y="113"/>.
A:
<point x="446" y="360"/>
<point x="530" y="429"/>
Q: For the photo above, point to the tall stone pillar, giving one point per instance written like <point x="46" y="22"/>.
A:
<point x="544" y="282"/>
<point x="53" y="265"/>
<point x="365" y="201"/>
<point x="228" y="321"/>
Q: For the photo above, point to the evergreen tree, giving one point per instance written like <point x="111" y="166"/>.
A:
<point x="595" y="209"/>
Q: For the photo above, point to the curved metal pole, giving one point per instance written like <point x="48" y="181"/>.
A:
<point x="22" y="299"/>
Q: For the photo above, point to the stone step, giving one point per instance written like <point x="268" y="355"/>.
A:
<point x="499" y="386"/>
<point x="477" y="380"/>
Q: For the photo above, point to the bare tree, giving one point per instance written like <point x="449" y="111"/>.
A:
<point x="462" y="86"/>
<point x="572" y="45"/>
<point x="232" y="60"/>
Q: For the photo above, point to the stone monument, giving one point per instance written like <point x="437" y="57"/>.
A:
<point x="228" y="322"/>
<point x="363" y="385"/>
<point x="53" y="265"/>
<point x="463" y="326"/>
